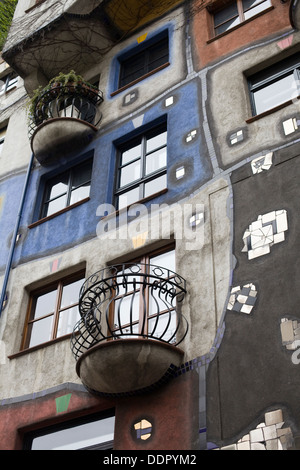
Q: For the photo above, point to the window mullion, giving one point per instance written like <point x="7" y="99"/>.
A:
<point x="240" y="10"/>
<point x="57" y="310"/>
<point x="69" y="191"/>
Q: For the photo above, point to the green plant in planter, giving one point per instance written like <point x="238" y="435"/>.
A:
<point x="58" y="87"/>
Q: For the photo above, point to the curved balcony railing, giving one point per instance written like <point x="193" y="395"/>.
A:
<point x="66" y="101"/>
<point x="130" y="301"/>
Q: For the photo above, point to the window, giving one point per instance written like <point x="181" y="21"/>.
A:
<point x="140" y="304"/>
<point x="67" y="189"/>
<point x="146" y="61"/>
<point x="142" y="169"/>
<point x="83" y="434"/>
<point x="8" y="82"/>
<point x="236" y="13"/>
<point x="275" y="85"/>
<point x="53" y="311"/>
<point x="2" y="138"/>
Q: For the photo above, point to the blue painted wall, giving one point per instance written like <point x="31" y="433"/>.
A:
<point x="79" y="224"/>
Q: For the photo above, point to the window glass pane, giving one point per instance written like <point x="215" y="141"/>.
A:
<point x="82" y="175"/>
<point x="70" y="293"/>
<point x="166" y="260"/>
<point x="158" y="55"/>
<point x="255" y="9"/>
<point x="126" y="306"/>
<point x="226" y="14"/>
<point x="58" y="186"/>
<point x="67" y="320"/>
<point x="155" y="185"/>
<point x="41" y="331"/>
<point x="45" y="304"/>
<point x="130" y="173"/>
<point x="77" y="437"/>
<point x="228" y="25"/>
<point x="274" y="94"/>
<point x="158" y="302"/>
<point x="156" y="142"/>
<point x="128" y="198"/>
<point x="80" y="193"/>
<point x="166" y="320"/>
<point x="133" y="330"/>
<point x="55" y="205"/>
<point x="156" y="160"/>
<point x="131" y="154"/>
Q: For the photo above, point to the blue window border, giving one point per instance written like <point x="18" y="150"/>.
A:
<point x="152" y="38"/>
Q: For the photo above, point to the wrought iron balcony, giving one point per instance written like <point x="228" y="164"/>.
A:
<point x="63" y="118"/>
<point x="130" y="328"/>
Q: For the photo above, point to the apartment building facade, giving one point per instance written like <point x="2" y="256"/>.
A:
<point x="148" y="191"/>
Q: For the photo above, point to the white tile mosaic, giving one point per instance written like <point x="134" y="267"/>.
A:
<point x="242" y="299"/>
<point x="236" y="137"/>
<point x="290" y="334"/>
<point x="265" y="232"/>
<point x="268" y="435"/>
<point x="191" y="135"/>
<point x="262" y="163"/>
<point x="290" y="125"/>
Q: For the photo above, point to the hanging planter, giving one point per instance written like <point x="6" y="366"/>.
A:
<point x="60" y="87"/>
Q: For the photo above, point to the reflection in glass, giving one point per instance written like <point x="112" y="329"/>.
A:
<point x="77" y="437"/>
<point x="274" y="94"/>
<point x="155" y="185"/>
<point x="41" y="331"/>
<point x="156" y="160"/>
<point x="45" y="304"/>
<point x="67" y="319"/>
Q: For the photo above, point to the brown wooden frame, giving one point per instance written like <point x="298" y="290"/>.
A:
<point x="58" y="286"/>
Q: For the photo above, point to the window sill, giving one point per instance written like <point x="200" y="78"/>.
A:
<point x="66" y="209"/>
<point x="39" y="346"/>
<point x="129" y="85"/>
<point x="141" y="201"/>
<point x="270" y="111"/>
<point x="219" y="36"/>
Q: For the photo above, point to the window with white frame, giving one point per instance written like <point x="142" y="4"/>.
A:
<point x="142" y="167"/>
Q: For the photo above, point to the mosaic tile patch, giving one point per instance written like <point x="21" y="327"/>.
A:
<point x="291" y="125"/>
<point x="242" y="299"/>
<point x="268" y="230"/>
<point x="290" y="333"/>
<point x="62" y="403"/>
<point x="143" y="429"/>
<point x="262" y="163"/>
<point x="268" y="435"/>
<point x="236" y="137"/>
<point x="191" y="135"/>
<point x="169" y="101"/>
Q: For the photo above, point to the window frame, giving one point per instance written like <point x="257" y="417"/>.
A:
<point x="7" y="79"/>
<point x="3" y="131"/>
<point x="57" y="286"/>
<point x="145" y="261"/>
<point x="270" y="75"/>
<point x="144" y="178"/>
<point x="45" y="179"/>
<point x="144" y="48"/>
<point x="30" y="435"/>
<point x="240" y="14"/>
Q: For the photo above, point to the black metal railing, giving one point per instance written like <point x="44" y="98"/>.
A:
<point x="130" y="301"/>
<point x="65" y="101"/>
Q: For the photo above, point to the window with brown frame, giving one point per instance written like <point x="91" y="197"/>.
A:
<point x="236" y="13"/>
<point x="53" y="311"/>
<point x="140" y="305"/>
